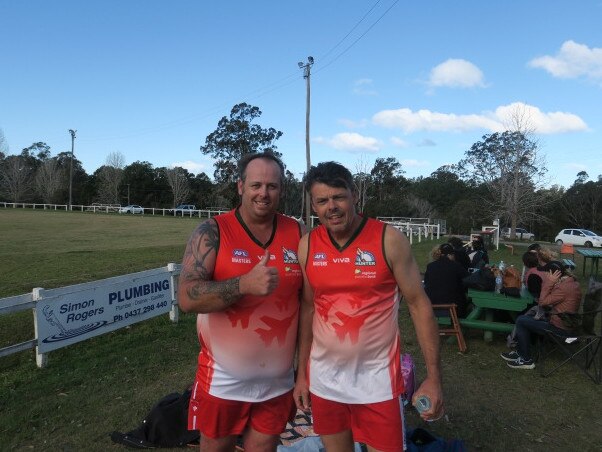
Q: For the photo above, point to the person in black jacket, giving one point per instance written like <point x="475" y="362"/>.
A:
<point x="443" y="279"/>
<point x="460" y="254"/>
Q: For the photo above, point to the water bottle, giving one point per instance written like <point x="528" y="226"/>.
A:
<point x="423" y="403"/>
<point x="502" y="266"/>
<point x="498" y="283"/>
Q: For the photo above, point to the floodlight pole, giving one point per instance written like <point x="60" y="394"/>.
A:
<point x="307" y="75"/>
<point x="72" y="132"/>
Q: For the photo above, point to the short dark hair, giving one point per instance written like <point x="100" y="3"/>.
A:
<point x="555" y="266"/>
<point x="534" y="247"/>
<point x="456" y="242"/>
<point x="477" y="243"/>
<point x="248" y="158"/>
<point x="530" y="259"/>
<point x="332" y="174"/>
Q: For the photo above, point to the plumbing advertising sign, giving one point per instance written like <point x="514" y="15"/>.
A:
<point x="85" y="311"/>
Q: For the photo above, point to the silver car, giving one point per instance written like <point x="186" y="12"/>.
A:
<point x="132" y="208"/>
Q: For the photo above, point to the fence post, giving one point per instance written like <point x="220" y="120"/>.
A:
<point x="174" y="314"/>
<point x="41" y="358"/>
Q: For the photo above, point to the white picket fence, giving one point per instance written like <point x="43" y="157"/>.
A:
<point x="200" y="213"/>
<point x="71" y="314"/>
<point x="414" y="230"/>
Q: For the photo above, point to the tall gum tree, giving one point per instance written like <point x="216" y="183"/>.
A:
<point x="234" y="137"/>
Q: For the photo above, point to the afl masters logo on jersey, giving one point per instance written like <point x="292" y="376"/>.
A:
<point x="240" y="256"/>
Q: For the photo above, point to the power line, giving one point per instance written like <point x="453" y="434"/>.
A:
<point x="323" y="57"/>
<point x="256" y="93"/>
<point x="321" y="68"/>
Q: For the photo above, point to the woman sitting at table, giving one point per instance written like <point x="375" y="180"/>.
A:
<point x="560" y="292"/>
<point x="443" y="280"/>
<point x="534" y="273"/>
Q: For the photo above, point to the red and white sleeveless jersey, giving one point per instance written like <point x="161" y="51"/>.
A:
<point x="355" y="354"/>
<point x="247" y="350"/>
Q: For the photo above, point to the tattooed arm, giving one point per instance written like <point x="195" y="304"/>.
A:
<point x="197" y="292"/>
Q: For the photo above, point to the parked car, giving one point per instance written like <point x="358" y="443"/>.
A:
<point x="578" y="237"/>
<point x="132" y="208"/>
<point x="184" y="209"/>
<point x="521" y="234"/>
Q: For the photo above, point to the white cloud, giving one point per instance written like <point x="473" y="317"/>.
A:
<point x="456" y="73"/>
<point x="572" y="60"/>
<point x="193" y="167"/>
<point x="398" y="142"/>
<point x="363" y="87"/>
<point x="412" y="163"/>
<point x="351" y="124"/>
<point x="545" y="123"/>
<point x="427" y="142"/>
<point x="353" y="142"/>
<point x="410" y="121"/>
<point x="577" y="167"/>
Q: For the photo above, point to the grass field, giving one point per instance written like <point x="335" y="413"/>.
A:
<point x="110" y="382"/>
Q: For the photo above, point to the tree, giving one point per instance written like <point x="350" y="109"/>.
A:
<point x="203" y="192"/>
<point x="386" y="190"/>
<point x="443" y="188"/>
<point x="15" y="178"/>
<point x="234" y="137"/>
<point x="109" y="177"/>
<point x="49" y="180"/>
<point x="3" y="145"/>
<point x="178" y="181"/>
<point x="583" y="202"/>
<point x="292" y="196"/>
<point x="508" y="165"/>
<point x="419" y="207"/>
<point x="362" y="181"/>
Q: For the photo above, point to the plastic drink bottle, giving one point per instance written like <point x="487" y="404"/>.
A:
<point x="498" y="283"/>
<point x="423" y="403"/>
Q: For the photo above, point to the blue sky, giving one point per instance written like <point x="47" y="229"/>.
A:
<point x="418" y="81"/>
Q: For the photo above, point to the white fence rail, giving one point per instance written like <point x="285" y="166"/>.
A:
<point x="200" y="213"/>
<point x="414" y="230"/>
<point x="67" y="315"/>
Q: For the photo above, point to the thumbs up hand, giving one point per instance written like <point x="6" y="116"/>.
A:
<point x="261" y="280"/>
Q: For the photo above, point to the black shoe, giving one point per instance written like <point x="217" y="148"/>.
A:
<point x="521" y="364"/>
<point x="510" y="356"/>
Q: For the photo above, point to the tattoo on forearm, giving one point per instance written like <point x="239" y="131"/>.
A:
<point x="227" y="290"/>
<point x="204" y="242"/>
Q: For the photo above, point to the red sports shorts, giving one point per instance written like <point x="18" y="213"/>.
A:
<point x="379" y="425"/>
<point x="217" y="418"/>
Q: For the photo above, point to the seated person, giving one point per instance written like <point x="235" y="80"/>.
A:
<point x="534" y="247"/>
<point x="561" y="293"/>
<point x="443" y="280"/>
<point x="545" y="255"/>
<point x="478" y="256"/>
<point x="533" y="275"/>
<point x="460" y="254"/>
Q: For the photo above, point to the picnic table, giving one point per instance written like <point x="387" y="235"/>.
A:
<point x="594" y="255"/>
<point x="486" y="303"/>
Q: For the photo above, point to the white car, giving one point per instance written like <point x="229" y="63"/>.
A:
<point x="581" y="237"/>
<point x="133" y="208"/>
<point x="521" y="234"/>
